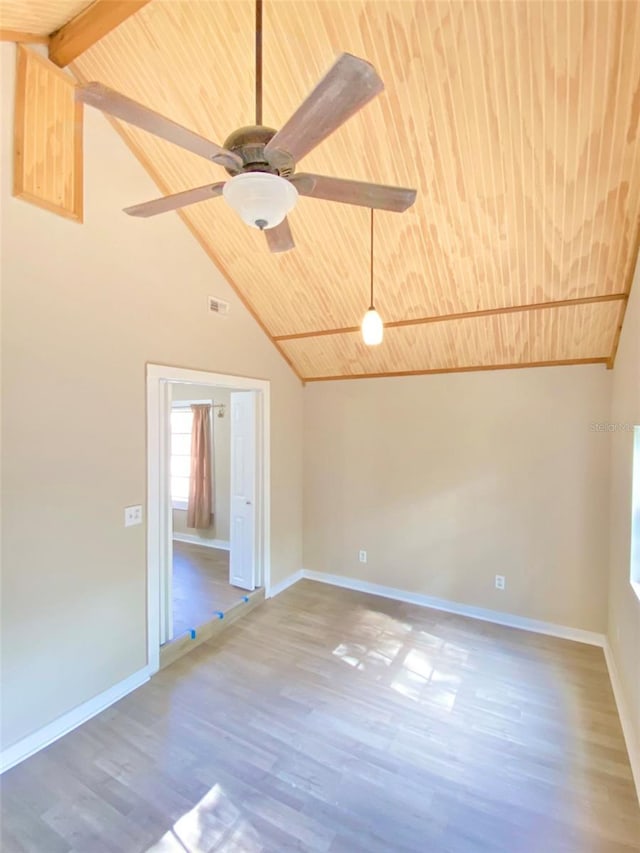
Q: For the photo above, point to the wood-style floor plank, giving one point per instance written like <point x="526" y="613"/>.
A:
<point x="200" y="585"/>
<point x="333" y="721"/>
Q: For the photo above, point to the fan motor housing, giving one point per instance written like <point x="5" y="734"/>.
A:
<point x="249" y="143"/>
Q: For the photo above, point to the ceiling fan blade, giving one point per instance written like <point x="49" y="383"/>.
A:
<point x="173" y="202"/>
<point x="354" y="192"/>
<point x="303" y="182"/>
<point x="119" y="106"/>
<point x="280" y="238"/>
<point x="349" y="84"/>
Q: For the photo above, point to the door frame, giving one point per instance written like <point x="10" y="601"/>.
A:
<point x="159" y="377"/>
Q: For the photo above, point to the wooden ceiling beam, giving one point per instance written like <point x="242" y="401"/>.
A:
<point x="22" y="37"/>
<point x="465" y="315"/>
<point x="87" y="28"/>
<point x="469" y="369"/>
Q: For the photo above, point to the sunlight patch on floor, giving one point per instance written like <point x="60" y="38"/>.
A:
<point x="214" y="823"/>
<point x="414" y="665"/>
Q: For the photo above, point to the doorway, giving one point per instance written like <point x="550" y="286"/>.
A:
<point x="200" y="583"/>
<point x="204" y="570"/>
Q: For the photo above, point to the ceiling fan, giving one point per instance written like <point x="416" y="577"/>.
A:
<point x="264" y="186"/>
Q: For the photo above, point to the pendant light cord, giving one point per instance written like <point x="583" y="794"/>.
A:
<point x="371" y="262"/>
<point x="258" y="61"/>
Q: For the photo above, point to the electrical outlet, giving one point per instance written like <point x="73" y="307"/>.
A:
<point x="362" y="556"/>
<point x="499" y="581"/>
<point x="132" y="515"/>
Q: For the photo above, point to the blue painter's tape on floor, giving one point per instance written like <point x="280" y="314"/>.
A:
<point x="193" y="633"/>
<point x="219" y="614"/>
<point x="245" y="598"/>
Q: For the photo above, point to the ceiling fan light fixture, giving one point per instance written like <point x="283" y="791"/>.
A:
<point x="372" y="328"/>
<point x="261" y="199"/>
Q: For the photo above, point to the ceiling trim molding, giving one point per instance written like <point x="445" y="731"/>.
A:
<point x="164" y="189"/>
<point x="474" y="368"/>
<point x="464" y="315"/>
<point x="23" y="38"/>
<point x="87" y="28"/>
<point x="628" y="284"/>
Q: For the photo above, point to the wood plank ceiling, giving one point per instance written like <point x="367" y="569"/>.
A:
<point x="41" y="17"/>
<point x="518" y="123"/>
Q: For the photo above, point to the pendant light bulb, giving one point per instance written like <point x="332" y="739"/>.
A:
<point x="372" y="325"/>
<point x="372" y="328"/>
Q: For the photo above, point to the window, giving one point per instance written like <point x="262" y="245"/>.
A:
<point x="181" y="422"/>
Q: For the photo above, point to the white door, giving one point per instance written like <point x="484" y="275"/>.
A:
<point x="166" y="519"/>
<point x="242" y="563"/>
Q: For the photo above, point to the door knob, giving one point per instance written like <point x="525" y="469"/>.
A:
<point x="248" y="503"/>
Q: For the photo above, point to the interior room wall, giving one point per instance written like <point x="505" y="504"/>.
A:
<point x="448" y="480"/>
<point x="84" y="308"/>
<point x="221" y="466"/>
<point x="624" y="603"/>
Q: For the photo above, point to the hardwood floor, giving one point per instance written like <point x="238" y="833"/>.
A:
<point x="200" y="585"/>
<point x="185" y="644"/>
<point x="329" y="720"/>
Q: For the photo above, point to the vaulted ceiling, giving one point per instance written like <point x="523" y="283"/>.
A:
<point x="518" y="123"/>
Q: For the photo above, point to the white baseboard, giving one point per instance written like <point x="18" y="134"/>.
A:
<point x="494" y="616"/>
<point x="223" y="544"/>
<point x="277" y="588"/>
<point x="631" y="737"/>
<point x="17" y="752"/>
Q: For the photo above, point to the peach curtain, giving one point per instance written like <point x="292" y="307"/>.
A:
<point x="199" y="507"/>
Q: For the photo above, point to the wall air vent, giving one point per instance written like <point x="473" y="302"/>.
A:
<point x="218" y="306"/>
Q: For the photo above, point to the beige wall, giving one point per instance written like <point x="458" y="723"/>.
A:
<point x="448" y="480"/>
<point x="84" y="308"/>
<point x="221" y="463"/>
<point x="624" y="605"/>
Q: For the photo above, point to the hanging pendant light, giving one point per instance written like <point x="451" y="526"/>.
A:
<point x="372" y="325"/>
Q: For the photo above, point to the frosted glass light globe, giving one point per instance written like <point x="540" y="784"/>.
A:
<point x="261" y="199"/>
<point x="372" y="328"/>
